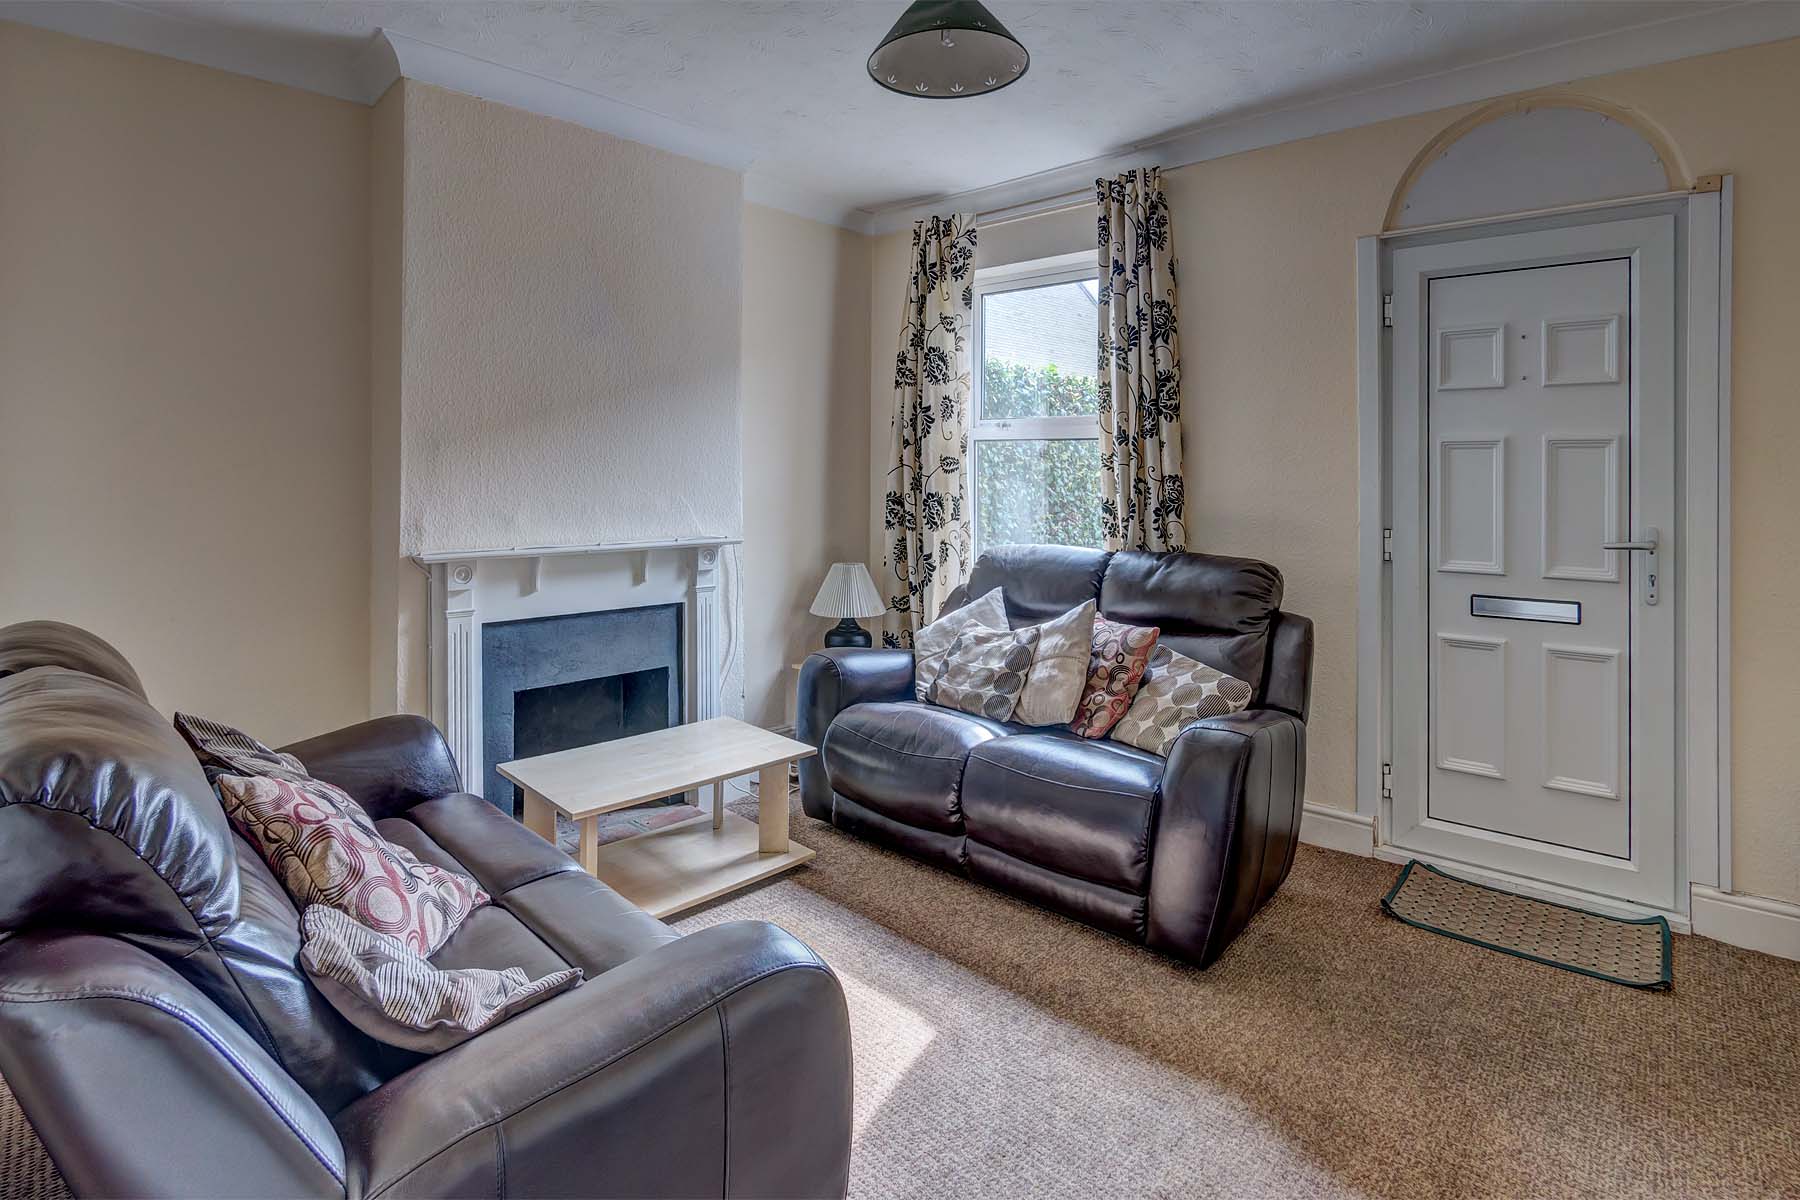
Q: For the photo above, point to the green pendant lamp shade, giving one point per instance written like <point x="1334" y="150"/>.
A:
<point x="947" y="49"/>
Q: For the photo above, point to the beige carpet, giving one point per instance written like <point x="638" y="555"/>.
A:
<point x="1332" y="1052"/>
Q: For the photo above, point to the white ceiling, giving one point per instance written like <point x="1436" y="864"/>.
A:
<point x="781" y="87"/>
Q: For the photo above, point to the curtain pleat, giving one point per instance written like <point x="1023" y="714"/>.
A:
<point x="1141" y="485"/>
<point x="926" y="515"/>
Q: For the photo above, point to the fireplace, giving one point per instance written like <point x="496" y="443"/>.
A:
<point x="554" y="683"/>
<point x="579" y="641"/>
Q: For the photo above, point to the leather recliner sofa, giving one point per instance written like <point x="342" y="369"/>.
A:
<point x="158" y="1034"/>
<point x="1178" y="853"/>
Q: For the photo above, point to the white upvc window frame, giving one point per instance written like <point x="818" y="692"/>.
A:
<point x="1078" y="267"/>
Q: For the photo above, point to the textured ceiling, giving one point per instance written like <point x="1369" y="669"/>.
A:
<point x="787" y="80"/>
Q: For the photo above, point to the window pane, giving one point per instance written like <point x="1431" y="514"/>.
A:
<point x="1038" y="491"/>
<point x="1039" y="347"/>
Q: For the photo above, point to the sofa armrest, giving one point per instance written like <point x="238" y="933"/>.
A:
<point x="716" y="1065"/>
<point x="140" y="1086"/>
<point x="388" y="764"/>
<point x="831" y="681"/>
<point x="1227" y="829"/>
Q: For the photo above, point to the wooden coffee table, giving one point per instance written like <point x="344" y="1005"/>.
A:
<point x="667" y="870"/>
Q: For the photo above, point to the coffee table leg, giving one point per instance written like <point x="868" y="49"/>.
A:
<point x="772" y="809"/>
<point x="540" y="818"/>
<point x="718" y="791"/>
<point x="588" y="842"/>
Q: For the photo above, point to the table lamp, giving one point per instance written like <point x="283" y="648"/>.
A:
<point x="847" y="593"/>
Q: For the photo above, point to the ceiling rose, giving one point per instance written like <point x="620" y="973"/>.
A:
<point x="945" y="50"/>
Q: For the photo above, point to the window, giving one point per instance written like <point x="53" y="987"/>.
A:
<point x="1035" y="439"/>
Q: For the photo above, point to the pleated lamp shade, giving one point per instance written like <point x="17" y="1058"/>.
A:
<point x="848" y="592"/>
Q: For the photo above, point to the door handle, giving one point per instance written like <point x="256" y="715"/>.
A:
<point x="1647" y="546"/>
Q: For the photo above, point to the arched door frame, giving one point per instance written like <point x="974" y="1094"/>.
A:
<point x="1704" y="217"/>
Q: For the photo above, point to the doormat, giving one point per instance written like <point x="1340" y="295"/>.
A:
<point x="1632" y="952"/>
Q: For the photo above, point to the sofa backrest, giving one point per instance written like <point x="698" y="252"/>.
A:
<point x="107" y="825"/>
<point x="1225" y="612"/>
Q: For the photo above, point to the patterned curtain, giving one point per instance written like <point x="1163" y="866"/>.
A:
<point x="1140" y="367"/>
<point x="927" y="515"/>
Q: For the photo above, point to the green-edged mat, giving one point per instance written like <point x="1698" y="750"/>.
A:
<point x="1632" y="952"/>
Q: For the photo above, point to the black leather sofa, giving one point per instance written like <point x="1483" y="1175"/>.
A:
<point x="1176" y="854"/>
<point x="160" y="1038"/>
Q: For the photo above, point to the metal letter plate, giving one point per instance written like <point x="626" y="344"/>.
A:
<point x="1512" y="608"/>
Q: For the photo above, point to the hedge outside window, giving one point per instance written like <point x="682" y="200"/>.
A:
<point x="1036" y="433"/>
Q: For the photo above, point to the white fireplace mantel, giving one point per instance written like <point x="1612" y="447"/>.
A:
<point x="472" y="588"/>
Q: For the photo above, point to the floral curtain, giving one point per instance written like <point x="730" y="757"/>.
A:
<point x="927" y="514"/>
<point x="1141" y="490"/>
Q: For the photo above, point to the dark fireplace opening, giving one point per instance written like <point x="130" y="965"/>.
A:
<point x="563" y="716"/>
<point x="555" y="683"/>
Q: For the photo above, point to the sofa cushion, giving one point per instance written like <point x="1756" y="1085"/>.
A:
<point x="905" y="760"/>
<point x="1213" y="609"/>
<point x="1079" y="807"/>
<point x="29" y="644"/>
<point x="398" y="997"/>
<point x="931" y="645"/>
<point x="1116" y="664"/>
<point x="585" y="922"/>
<point x="985" y="671"/>
<point x="494" y="938"/>
<point x="1177" y="691"/>
<point x="490" y="845"/>
<point x="1040" y="582"/>
<point x="1059" y="668"/>
<point x="325" y="850"/>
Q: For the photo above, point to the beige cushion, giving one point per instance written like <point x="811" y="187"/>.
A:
<point x="931" y="643"/>
<point x="1175" y="692"/>
<point x="985" y="671"/>
<point x="1059" y="669"/>
<point x="398" y="997"/>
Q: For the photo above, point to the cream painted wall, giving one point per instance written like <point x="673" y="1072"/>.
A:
<point x="805" y="366"/>
<point x="1266" y="240"/>
<point x="183" y="376"/>
<point x="568" y="325"/>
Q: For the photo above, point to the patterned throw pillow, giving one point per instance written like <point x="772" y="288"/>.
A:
<point x="324" y="849"/>
<point x="1115" y="665"/>
<point x="932" y="643"/>
<point x="1059" y="669"/>
<point x="985" y="671"/>
<point x="395" y="996"/>
<point x="1175" y="692"/>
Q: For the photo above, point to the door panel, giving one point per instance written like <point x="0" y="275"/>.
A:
<point x="1531" y="379"/>
<point x="1551" y="746"/>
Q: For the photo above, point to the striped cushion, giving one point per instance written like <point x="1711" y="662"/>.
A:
<point x="398" y="997"/>
<point x="223" y="750"/>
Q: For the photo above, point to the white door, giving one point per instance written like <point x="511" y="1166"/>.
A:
<point x="1539" y="634"/>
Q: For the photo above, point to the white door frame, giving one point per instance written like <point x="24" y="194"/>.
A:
<point x="1703" y="314"/>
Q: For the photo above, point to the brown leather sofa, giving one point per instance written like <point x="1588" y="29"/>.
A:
<point x="157" y="1032"/>
<point x="1176" y="854"/>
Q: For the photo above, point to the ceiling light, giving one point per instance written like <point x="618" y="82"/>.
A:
<point x="945" y="50"/>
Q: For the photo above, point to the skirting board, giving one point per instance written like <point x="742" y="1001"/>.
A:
<point x="1337" y="829"/>
<point x="1753" y="922"/>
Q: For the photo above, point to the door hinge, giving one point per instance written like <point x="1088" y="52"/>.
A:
<point x="1387" y="781"/>
<point x="1387" y="311"/>
<point x="1387" y="545"/>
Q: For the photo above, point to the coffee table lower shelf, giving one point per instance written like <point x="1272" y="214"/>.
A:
<point x="669" y="870"/>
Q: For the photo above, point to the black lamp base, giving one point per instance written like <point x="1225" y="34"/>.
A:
<point x="848" y="633"/>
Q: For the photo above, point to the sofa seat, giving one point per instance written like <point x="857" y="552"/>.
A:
<point x="904" y="760"/>
<point x="547" y="913"/>
<point x="1082" y="807"/>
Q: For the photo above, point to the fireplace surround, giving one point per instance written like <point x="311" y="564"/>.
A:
<point x="507" y="589"/>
